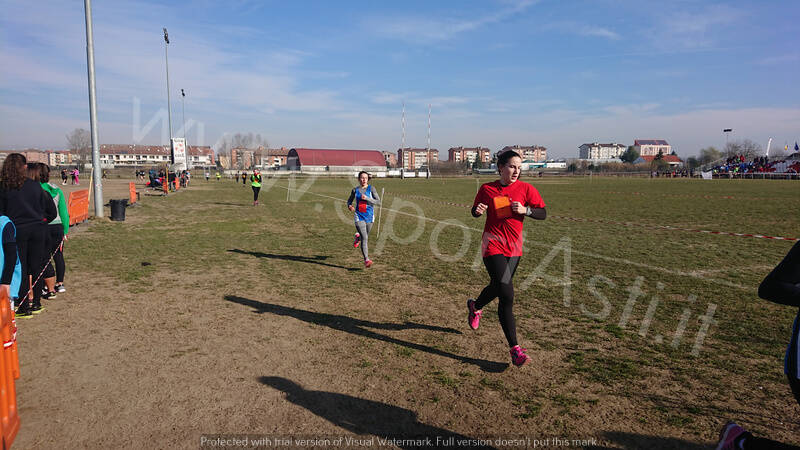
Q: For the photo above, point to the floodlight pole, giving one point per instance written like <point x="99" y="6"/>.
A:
<point x="183" y="115"/>
<point x="429" y="141"/>
<point x="169" y="109"/>
<point x="96" y="170"/>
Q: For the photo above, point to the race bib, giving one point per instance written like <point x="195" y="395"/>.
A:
<point x="502" y="207"/>
<point x="362" y="207"/>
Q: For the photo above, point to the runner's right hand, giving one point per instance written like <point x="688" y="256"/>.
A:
<point x="481" y="208"/>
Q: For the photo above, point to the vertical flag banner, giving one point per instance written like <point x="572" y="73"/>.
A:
<point x="179" y="153"/>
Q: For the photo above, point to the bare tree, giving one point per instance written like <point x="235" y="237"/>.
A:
<point x="746" y="148"/>
<point x="80" y="144"/>
<point x="709" y="155"/>
<point x="230" y="143"/>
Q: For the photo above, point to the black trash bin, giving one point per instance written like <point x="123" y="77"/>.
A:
<point x="118" y="209"/>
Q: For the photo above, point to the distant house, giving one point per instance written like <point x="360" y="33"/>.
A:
<point x="672" y="160"/>
<point x="414" y="158"/>
<point x="59" y="158"/>
<point x="311" y="160"/>
<point x="556" y="164"/>
<point x="30" y="154"/>
<point x="535" y="153"/>
<point x="271" y="158"/>
<point x="243" y="158"/>
<point x="469" y="154"/>
<point x="121" y="155"/>
<point x="391" y="159"/>
<point x="651" y="147"/>
<point x="597" y="151"/>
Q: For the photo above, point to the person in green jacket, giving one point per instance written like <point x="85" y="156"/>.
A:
<point x="255" y="183"/>
<point x="57" y="231"/>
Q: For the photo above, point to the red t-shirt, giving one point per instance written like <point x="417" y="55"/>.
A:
<point x="502" y="234"/>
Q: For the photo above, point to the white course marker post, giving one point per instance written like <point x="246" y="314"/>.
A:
<point x="380" y="208"/>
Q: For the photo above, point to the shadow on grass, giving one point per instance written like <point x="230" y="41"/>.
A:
<point x="242" y="205"/>
<point x="754" y="415"/>
<point x="364" y="417"/>
<point x="636" y="441"/>
<point x="306" y="259"/>
<point x="359" y="327"/>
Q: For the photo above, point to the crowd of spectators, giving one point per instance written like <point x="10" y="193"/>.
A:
<point x="738" y="164"/>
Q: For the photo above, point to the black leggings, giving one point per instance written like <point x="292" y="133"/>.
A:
<point x="55" y="235"/>
<point x="31" y="247"/>
<point x="255" y="192"/>
<point x="501" y="270"/>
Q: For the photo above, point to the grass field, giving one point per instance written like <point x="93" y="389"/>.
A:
<point x="201" y="314"/>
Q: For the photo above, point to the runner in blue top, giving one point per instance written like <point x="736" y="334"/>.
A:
<point x="365" y="197"/>
<point x="781" y="286"/>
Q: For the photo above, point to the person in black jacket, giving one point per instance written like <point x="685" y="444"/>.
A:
<point x="24" y="201"/>
<point x="781" y="286"/>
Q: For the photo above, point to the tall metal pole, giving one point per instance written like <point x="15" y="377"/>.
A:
<point x="183" y="113"/>
<point x="169" y="109"/>
<point x="403" y="139"/>
<point x="403" y="143"/>
<point x="96" y="170"/>
<point x="429" y="140"/>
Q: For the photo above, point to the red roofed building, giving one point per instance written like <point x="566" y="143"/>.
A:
<point x="334" y="160"/>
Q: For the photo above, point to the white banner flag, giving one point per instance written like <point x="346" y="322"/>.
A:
<point x="179" y="153"/>
<point x="706" y="175"/>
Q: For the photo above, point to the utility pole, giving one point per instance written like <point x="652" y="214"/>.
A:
<point x="97" y="173"/>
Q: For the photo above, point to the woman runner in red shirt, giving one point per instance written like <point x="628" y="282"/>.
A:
<point x="506" y="201"/>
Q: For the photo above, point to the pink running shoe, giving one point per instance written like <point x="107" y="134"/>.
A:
<point x="368" y="263"/>
<point x="474" y="316"/>
<point x="357" y="240"/>
<point x="729" y="435"/>
<point x="518" y="356"/>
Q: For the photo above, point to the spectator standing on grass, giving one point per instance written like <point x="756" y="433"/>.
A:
<point x="244" y="178"/>
<point x="506" y="203"/>
<point x="781" y="286"/>
<point x="362" y="200"/>
<point x="64" y="176"/>
<point x="255" y="183"/>
<point x="207" y="176"/>
<point x="56" y="236"/>
<point x="24" y="201"/>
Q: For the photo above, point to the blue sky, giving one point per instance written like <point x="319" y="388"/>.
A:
<point x="335" y="74"/>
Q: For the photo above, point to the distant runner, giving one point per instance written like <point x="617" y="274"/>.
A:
<point x="365" y="197"/>
<point x="255" y="183"/>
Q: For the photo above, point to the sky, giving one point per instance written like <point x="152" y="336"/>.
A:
<point x="325" y="74"/>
